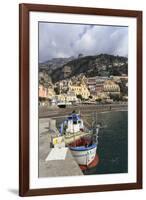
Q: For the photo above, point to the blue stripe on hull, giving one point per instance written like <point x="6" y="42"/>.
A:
<point x="83" y="148"/>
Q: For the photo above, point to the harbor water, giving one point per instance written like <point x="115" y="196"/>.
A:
<point x="112" y="144"/>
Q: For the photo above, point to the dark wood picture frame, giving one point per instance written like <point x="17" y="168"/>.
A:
<point x="24" y="9"/>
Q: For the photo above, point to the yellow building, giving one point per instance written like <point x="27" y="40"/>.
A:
<point x="102" y="96"/>
<point x="69" y="97"/>
<point x="50" y="93"/>
<point x="80" y="89"/>
<point x="110" y="87"/>
<point x="62" y="97"/>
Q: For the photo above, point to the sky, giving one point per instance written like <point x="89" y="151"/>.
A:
<point x="58" y="40"/>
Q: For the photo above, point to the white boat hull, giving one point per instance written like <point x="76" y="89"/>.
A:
<point x="84" y="155"/>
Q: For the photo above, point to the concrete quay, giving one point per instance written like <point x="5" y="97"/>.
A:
<point x="54" y="168"/>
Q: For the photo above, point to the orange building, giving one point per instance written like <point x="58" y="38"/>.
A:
<point x="43" y="92"/>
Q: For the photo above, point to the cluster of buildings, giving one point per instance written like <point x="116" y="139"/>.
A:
<point x="79" y="89"/>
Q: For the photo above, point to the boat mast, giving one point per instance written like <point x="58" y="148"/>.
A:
<point x="73" y="129"/>
<point x="95" y="128"/>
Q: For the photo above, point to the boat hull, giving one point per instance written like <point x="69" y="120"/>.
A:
<point x="94" y="163"/>
<point x="84" y="155"/>
<point x="61" y="105"/>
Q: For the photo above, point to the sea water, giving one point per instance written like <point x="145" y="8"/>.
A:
<point x="112" y="144"/>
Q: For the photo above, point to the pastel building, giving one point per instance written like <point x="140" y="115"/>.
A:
<point x="43" y="91"/>
<point x="80" y="89"/>
<point x="110" y="87"/>
<point x="50" y="93"/>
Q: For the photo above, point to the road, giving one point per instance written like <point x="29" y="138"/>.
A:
<point x="83" y="109"/>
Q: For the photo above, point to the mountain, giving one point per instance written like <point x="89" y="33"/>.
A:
<point x="98" y="65"/>
<point x="54" y="63"/>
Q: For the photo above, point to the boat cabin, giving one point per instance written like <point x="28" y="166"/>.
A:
<point x="72" y="124"/>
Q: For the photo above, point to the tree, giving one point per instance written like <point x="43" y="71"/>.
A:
<point x="80" y="55"/>
<point x="98" y="100"/>
<point x="115" y="97"/>
<point x="123" y="87"/>
<point x="79" y="96"/>
<point x="56" y="89"/>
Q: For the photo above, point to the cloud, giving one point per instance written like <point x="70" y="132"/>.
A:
<point x="64" y="40"/>
<point x="85" y="29"/>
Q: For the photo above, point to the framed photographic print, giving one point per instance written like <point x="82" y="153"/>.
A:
<point x="80" y="99"/>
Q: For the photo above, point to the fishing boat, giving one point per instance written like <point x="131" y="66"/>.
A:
<point x="83" y="144"/>
<point x="63" y="104"/>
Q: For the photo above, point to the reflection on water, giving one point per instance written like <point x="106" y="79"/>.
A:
<point x="113" y="144"/>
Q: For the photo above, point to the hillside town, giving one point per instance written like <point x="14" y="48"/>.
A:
<point x="82" y="90"/>
<point x="82" y="99"/>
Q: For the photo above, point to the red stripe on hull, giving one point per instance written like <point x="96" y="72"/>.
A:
<point x="94" y="163"/>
